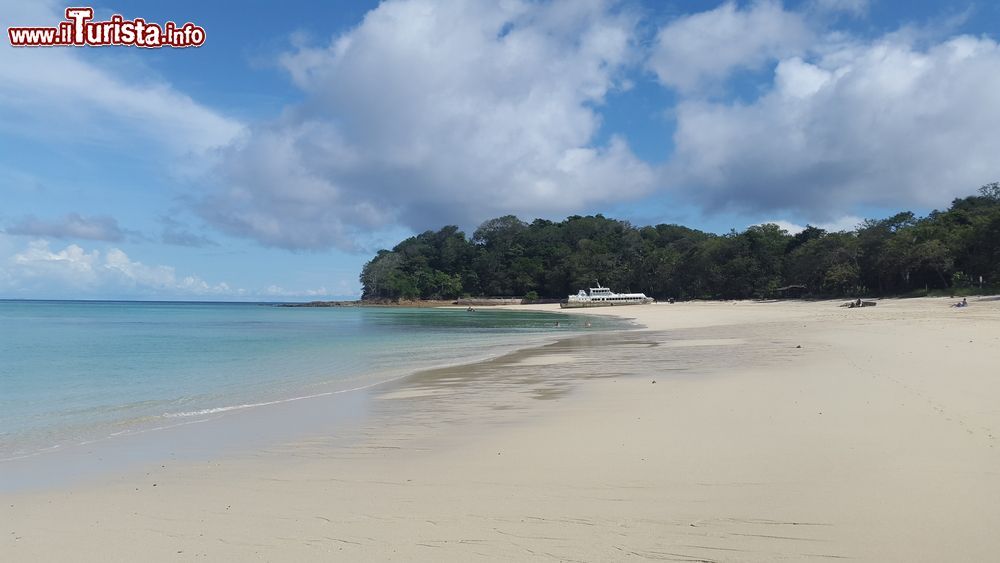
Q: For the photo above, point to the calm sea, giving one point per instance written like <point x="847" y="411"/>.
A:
<point x="75" y="372"/>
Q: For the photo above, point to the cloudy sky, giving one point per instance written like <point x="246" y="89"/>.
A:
<point x="272" y="162"/>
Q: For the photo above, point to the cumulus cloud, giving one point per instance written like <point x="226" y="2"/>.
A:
<point x="39" y="270"/>
<point x="71" y="226"/>
<point x="62" y="89"/>
<point x="74" y="270"/>
<point x="700" y="50"/>
<point x="883" y="123"/>
<point x="430" y="113"/>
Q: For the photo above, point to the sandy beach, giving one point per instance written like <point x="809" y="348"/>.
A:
<point x="722" y="431"/>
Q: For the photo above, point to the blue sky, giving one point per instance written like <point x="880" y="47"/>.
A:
<point x="270" y="163"/>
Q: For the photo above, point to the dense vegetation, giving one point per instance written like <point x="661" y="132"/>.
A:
<point x="947" y="250"/>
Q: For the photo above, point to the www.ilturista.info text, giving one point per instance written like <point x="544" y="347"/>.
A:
<point x="79" y="30"/>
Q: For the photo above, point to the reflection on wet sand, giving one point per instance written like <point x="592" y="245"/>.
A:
<point x="518" y="380"/>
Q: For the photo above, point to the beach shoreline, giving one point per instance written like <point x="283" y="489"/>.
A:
<point x="198" y="393"/>
<point x="725" y="431"/>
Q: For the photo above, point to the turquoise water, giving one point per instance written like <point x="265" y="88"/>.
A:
<point x="73" y="372"/>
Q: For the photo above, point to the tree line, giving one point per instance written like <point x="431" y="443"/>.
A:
<point x="953" y="250"/>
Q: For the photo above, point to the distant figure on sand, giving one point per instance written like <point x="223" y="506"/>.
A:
<point x="962" y="303"/>
<point x="859" y="303"/>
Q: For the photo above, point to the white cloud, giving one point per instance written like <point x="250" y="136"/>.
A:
<point x="37" y="270"/>
<point x="884" y="123"/>
<point x="66" y="90"/>
<point x="73" y="270"/>
<point x="430" y="113"/>
<point x="700" y="50"/>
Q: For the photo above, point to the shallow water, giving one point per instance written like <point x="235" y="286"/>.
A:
<point x="76" y="372"/>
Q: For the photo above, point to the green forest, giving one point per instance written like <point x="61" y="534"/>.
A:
<point x="946" y="251"/>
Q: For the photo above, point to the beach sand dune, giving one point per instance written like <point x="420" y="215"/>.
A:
<point x="795" y="431"/>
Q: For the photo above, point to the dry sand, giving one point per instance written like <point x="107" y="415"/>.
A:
<point x="773" y="431"/>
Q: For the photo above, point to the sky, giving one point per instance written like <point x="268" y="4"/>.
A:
<point x="272" y="162"/>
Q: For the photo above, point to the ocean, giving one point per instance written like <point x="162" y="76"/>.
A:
<point x="78" y="372"/>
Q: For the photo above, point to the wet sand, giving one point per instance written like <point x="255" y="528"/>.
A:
<point x="721" y="432"/>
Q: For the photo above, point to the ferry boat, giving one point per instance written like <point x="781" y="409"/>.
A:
<point x="603" y="297"/>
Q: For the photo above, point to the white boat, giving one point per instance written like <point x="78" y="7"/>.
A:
<point x="603" y="297"/>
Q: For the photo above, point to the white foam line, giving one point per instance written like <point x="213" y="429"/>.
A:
<point x="130" y="432"/>
<point x="216" y="410"/>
